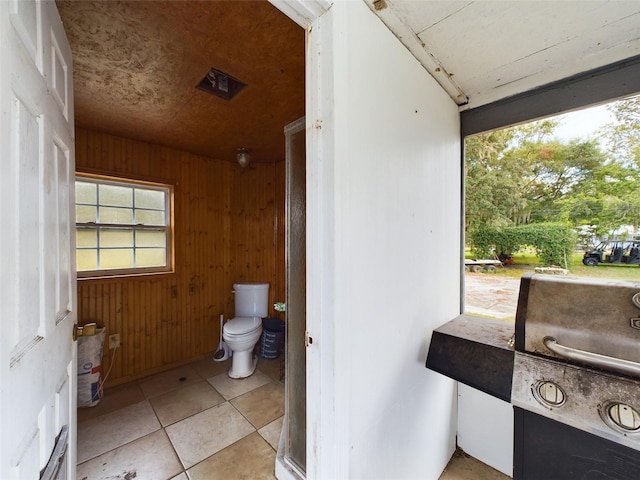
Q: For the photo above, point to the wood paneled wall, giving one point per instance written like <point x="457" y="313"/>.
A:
<point x="228" y="227"/>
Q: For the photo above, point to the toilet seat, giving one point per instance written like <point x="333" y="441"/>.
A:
<point x="242" y="326"/>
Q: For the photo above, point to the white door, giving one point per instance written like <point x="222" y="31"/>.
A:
<point x="37" y="236"/>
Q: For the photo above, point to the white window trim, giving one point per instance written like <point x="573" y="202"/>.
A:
<point x="100" y="179"/>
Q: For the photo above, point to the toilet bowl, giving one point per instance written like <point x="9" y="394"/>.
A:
<point x="241" y="334"/>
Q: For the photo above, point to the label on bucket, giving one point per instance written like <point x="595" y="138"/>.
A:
<point x="272" y="338"/>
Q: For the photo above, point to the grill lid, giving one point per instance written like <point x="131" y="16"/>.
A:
<point x="590" y="321"/>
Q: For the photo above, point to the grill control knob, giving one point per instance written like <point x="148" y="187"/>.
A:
<point x="624" y="416"/>
<point x="550" y="394"/>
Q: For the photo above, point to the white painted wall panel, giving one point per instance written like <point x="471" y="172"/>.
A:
<point x="485" y="428"/>
<point x="389" y="246"/>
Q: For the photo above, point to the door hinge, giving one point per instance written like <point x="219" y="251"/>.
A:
<point x="307" y="339"/>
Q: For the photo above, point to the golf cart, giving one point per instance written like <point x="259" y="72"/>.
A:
<point x="614" y="251"/>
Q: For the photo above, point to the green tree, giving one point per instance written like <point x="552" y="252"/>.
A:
<point x="524" y="175"/>
<point x="518" y="175"/>
<point x="551" y="172"/>
<point x="490" y="192"/>
<point x="618" y="182"/>
<point x="609" y="200"/>
<point x="623" y="135"/>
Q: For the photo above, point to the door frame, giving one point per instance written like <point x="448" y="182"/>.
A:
<point x="321" y="434"/>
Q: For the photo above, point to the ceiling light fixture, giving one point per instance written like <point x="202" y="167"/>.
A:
<point x="243" y="157"/>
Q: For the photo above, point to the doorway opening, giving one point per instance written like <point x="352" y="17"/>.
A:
<point x="558" y="195"/>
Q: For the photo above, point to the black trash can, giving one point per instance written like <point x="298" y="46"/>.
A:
<point x="272" y="338"/>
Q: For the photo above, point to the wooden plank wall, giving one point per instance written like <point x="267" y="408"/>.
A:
<point x="229" y="227"/>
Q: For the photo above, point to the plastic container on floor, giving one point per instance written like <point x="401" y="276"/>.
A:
<point x="272" y="338"/>
<point x="89" y="367"/>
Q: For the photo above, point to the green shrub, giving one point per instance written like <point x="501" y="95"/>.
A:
<point x="553" y="242"/>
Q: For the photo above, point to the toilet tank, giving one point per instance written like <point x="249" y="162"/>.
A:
<point x="251" y="299"/>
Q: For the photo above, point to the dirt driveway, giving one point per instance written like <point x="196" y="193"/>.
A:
<point x="491" y="295"/>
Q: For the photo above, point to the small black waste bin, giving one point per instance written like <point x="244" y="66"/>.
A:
<point x="272" y="338"/>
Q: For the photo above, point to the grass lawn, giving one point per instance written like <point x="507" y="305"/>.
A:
<point x="526" y="261"/>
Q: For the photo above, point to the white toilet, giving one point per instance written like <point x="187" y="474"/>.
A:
<point x="242" y="332"/>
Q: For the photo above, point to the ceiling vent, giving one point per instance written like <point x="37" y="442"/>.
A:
<point x="220" y="84"/>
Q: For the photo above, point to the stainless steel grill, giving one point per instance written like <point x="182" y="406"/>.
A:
<point x="577" y="363"/>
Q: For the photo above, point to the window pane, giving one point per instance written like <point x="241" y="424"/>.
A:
<point x="116" y="196"/>
<point x="116" y="215"/>
<point x="116" y="238"/>
<point x="121" y="224"/>
<point x="151" y="257"/>
<point x="150" y="239"/>
<point x="87" y="260"/>
<point x="86" y="192"/>
<point x="152" y="199"/>
<point x="86" y="237"/>
<point x="116" y="258"/>
<point x="85" y="214"/>
<point x="150" y="217"/>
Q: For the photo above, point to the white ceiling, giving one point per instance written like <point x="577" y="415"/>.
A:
<point x="482" y="51"/>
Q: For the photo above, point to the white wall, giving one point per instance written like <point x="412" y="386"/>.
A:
<point x="383" y="247"/>
<point x="485" y="428"/>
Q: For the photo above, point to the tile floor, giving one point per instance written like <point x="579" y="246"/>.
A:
<point x="189" y="423"/>
<point x="464" y="467"/>
<point x="195" y="423"/>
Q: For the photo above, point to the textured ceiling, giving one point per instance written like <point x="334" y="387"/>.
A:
<point x="136" y="65"/>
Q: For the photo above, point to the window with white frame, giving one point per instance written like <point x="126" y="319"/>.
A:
<point x="123" y="227"/>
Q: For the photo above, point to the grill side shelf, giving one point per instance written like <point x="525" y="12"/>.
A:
<point x="474" y="351"/>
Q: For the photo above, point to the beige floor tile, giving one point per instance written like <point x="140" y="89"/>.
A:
<point x="231" y="387"/>
<point x="114" y="399"/>
<point x="271" y="432"/>
<point x="464" y="467"/>
<point x="182" y="476"/>
<point x="170" y="380"/>
<point x="271" y="367"/>
<point x="200" y="436"/>
<point x="109" y="431"/>
<point x="262" y="405"/>
<point x="207" y="368"/>
<point x="249" y="459"/>
<point x="182" y="403"/>
<point x="148" y="458"/>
